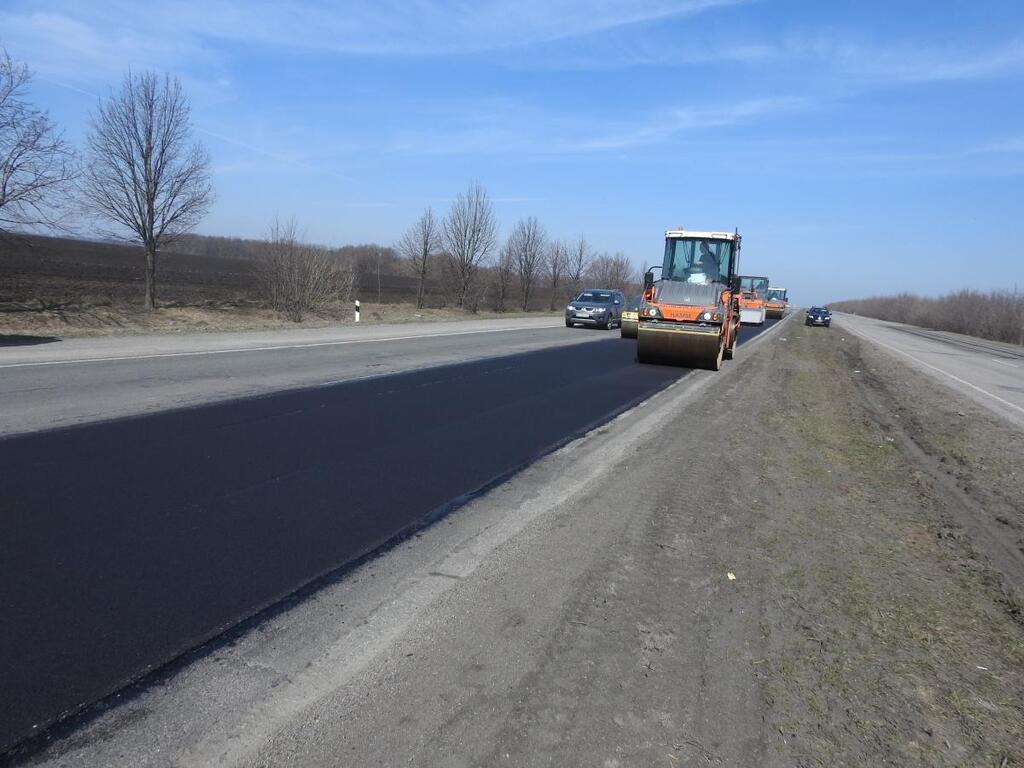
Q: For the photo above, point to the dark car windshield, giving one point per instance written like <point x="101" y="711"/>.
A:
<point x="818" y="311"/>
<point x="595" y="297"/>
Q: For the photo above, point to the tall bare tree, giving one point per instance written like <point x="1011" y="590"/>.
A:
<point x="419" y="246"/>
<point x="577" y="262"/>
<point x="554" y="267"/>
<point x="469" y="234"/>
<point x="504" y="271"/>
<point x="36" y="165"/>
<point x="528" y="242"/>
<point x="145" y="176"/>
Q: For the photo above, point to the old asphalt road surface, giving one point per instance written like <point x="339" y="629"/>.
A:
<point x="126" y="543"/>
<point x="53" y="382"/>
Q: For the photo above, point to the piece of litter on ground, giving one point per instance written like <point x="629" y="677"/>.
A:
<point x="983" y="669"/>
<point x="731" y="575"/>
<point x="856" y="371"/>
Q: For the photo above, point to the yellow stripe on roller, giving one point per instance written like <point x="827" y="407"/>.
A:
<point x="679" y="330"/>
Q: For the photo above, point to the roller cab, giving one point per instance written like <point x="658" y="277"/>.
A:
<point x="689" y="315"/>
<point x="776" y="302"/>
<point x="753" y="299"/>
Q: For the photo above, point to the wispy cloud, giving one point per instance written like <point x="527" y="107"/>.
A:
<point x="511" y="128"/>
<point x="903" y="62"/>
<point x="663" y="126"/>
<point x="99" y="40"/>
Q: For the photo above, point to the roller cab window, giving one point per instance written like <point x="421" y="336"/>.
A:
<point x="702" y="261"/>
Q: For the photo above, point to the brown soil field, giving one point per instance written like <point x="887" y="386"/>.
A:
<point x="66" y="287"/>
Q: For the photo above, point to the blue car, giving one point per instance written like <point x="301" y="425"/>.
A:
<point x="818" y="316"/>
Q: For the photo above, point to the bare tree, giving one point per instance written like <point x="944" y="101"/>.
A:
<point x="527" y="242"/>
<point x="296" y="278"/>
<point x="36" y="165"/>
<point x="419" y="246"/>
<point x="144" y="175"/>
<point x="554" y="267"/>
<point x="612" y="272"/>
<point x="578" y="257"/>
<point x="469" y="234"/>
<point x="504" y="271"/>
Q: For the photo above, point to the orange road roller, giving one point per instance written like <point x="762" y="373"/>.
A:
<point x="753" y="293"/>
<point x="777" y="303"/>
<point x="690" y="315"/>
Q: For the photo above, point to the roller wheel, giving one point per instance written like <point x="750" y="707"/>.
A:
<point x="716" y="364"/>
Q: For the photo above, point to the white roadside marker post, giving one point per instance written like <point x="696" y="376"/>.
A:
<point x="357" y="310"/>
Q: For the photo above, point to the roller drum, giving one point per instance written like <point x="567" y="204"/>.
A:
<point x="678" y="346"/>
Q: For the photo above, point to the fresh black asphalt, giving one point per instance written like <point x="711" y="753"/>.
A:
<point x="126" y="543"/>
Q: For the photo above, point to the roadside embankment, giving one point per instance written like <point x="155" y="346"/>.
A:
<point x="115" y="319"/>
<point x="892" y="608"/>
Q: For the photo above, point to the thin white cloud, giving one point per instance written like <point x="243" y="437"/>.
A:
<point x="663" y="126"/>
<point x="905" y="62"/>
<point x="98" y="40"/>
<point x="1013" y="145"/>
<point x="510" y="128"/>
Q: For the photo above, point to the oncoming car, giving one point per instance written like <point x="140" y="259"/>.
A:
<point x="819" y="316"/>
<point x="599" y="307"/>
<point x="630" y="318"/>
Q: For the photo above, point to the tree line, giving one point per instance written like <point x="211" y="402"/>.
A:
<point x="143" y="178"/>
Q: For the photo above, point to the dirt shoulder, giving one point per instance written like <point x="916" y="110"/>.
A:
<point x="892" y="638"/>
<point x="115" y="320"/>
<point x="974" y="457"/>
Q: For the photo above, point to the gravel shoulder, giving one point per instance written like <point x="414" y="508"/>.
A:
<point x="753" y="568"/>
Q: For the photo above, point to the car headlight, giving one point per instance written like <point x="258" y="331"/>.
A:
<point x="570" y="307"/>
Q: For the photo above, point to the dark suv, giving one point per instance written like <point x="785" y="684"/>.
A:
<point x="600" y="307"/>
<point x="819" y="316"/>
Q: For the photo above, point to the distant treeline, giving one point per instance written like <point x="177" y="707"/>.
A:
<point x="996" y="315"/>
<point x="381" y="274"/>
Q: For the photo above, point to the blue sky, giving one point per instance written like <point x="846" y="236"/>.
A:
<point x="859" y="147"/>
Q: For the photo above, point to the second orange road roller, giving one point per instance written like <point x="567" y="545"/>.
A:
<point x="690" y="315"/>
<point x="752" y="299"/>
<point x="778" y="302"/>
